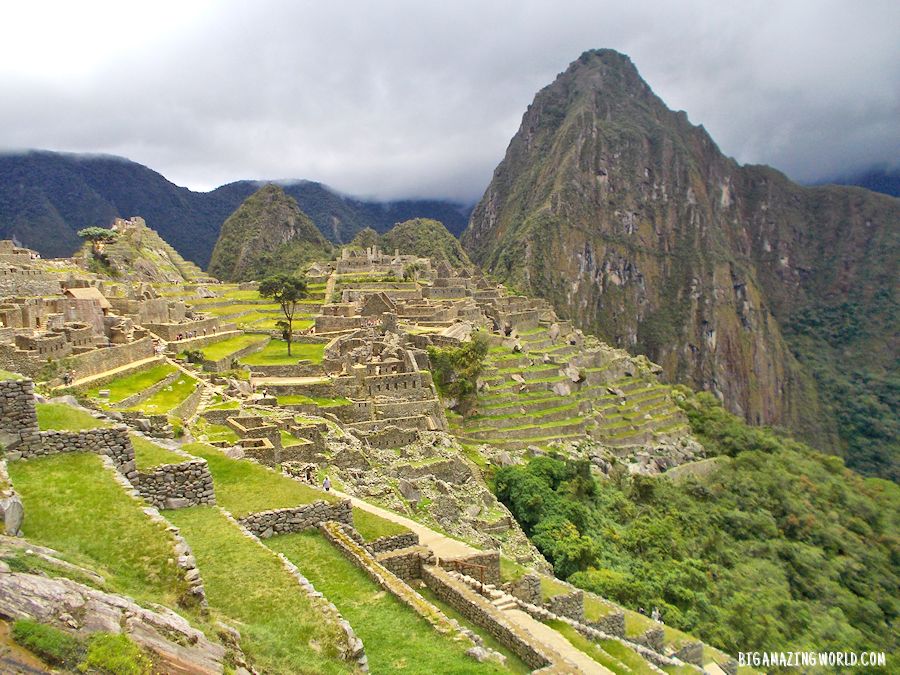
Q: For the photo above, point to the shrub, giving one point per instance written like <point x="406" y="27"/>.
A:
<point x="53" y="645"/>
<point x="116" y="655"/>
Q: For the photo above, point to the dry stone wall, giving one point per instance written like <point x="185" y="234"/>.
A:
<point x="480" y="612"/>
<point x="18" y="418"/>
<point x="265" y="524"/>
<point x="175" y="486"/>
<point x="393" y="542"/>
<point x="406" y="563"/>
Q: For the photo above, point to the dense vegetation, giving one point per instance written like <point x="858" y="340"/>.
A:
<point x="425" y="238"/>
<point x="267" y="234"/>
<point x="45" y="197"/>
<point x="456" y="371"/>
<point x="779" y="547"/>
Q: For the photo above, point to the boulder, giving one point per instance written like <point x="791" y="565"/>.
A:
<point x="409" y="491"/>
<point x="13" y="514"/>
<point x="562" y="388"/>
<point x="554" y="331"/>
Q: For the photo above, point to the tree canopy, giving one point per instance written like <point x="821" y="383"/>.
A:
<point x="287" y="290"/>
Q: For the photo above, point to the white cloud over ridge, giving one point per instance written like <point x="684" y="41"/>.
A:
<point x="400" y="98"/>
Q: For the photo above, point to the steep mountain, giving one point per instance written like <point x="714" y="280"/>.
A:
<point x="779" y="299"/>
<point x="427" y="238"/>
<point x="268" y="233"/>
<point x="46" y="197"/>
<point x="139" y="254"/>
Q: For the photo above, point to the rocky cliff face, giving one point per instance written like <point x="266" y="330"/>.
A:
<point x="632" y="222"/>
<point x="268" y="233"/>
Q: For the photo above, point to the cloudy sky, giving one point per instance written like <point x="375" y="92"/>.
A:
<point x="420" y="98"/>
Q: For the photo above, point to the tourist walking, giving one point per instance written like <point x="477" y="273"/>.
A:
<point x="327" y="484"/>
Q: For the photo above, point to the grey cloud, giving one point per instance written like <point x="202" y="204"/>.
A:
<point x="407" y="98"/>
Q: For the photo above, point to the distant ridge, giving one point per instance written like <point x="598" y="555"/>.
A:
<point x="46" y="197"/>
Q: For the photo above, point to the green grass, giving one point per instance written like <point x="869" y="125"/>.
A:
<point x="397" y="639"/>
<point x="214" y="432"/>
<point x="51" y="644"/>
<point x="372" y="526"/>
<point x="223" y="348"/>
<point x="550" y="588"/>
<point x="244" y="487"/>
<point x="596" y="652"/>
<point x="8" y="375"/>
<point x="227" y="310"/>
<point x="123" y="387"/>
<point x="62" y="417"/>
<point x="595" y="609"/>
<point x="75" y="506"/>
<point x="626" y="655"/>
<point x="281" y="631"/>
<point x="169" y="397"/>
<point x="275" y="354"/>
<point x="148" y="454"/>
<point x="288" y="439"/>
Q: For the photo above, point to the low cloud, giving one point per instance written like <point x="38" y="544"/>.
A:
<point x="403" y="98"/>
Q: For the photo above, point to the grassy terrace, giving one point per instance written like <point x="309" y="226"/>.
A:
<point x="148" y="454"/>
<point x="275" y="354"/>
<point x="168" y="397"/>
<point x="228" y="310"/>
<point x="378" y="617"/>
<point x="245" y="487"/>
<point x="8" y="375"/>
<point x="371" y="526"/>
<point x="609" y="653"/>
<point x="61" y="417"/>
<point x="75" y="506"/>
<point x="281" y="632"/>
<point x="223" y="348"/>
<point x="129" y="385"/>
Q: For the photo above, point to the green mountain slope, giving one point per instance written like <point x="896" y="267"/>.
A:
<point x="768" y="546"/>
<point x="633" y="224"/>
<point x="268" y="233"/>
<point x="46" y="197"/>
<point x="426" y="238"/>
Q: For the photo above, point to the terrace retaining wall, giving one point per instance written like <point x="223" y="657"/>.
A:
<point x="176" y="486"/>
<point x="265" y="524"/>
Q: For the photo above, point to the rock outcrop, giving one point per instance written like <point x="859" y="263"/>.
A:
<point x="635" y="226"/>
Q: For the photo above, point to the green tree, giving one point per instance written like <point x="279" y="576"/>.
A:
<point x="99" y="237"/>
<point x="457" y="369"/>
<point x="412" y="271"/>
<point x="287" y="291"/>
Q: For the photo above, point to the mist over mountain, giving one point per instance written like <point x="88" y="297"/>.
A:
<point x="878" y="179"/>
<point x="46" y="197"/>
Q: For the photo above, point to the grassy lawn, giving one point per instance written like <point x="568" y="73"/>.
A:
<point x="236" y="308"/>
<point x="7" y="375"/>
<point x="148" y="454"/>
<point x="514" y="663"/>
<point x="281" y="632"/>
<point x="62" y="417"/>
<point x="223" y="348"/>
<point x="372" y="526"/>
<point x="321" y="401"/>
<point x="275" y="354"/>
<point x="129" y="385"/>
<point x="244" y="487"/>
<point x="74" y="505"/>
<point x="168" y="397"/>
<point x="550" y="588"/>
<point x="378" y="617"/>
<point x="214" y="432"/>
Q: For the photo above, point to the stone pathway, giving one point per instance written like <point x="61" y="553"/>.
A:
<point x="442" y="545"/>
<point x="446" y="547"/>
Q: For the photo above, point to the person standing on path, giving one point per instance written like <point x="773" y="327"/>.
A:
<point x="326" y="484"/>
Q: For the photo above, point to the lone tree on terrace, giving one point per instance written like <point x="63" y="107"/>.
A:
<point x="99" y="237"/>
<point x="287" y="291"/>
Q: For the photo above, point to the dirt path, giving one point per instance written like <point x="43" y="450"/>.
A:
<point x="556" y="642"/>
<point x="442" y="545"/>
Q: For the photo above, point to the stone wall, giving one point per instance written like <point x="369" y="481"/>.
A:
<point x="228" y="362"/>
<point x="265" y="524"/>
<point x="305" y="369"/>
<point x="144" y="394"/>
<point x="489" y="561"/>
<point x="15" y="281"/>
<point x="480" y="612"/>
<point x="99" y="360"/>
<point x="188" y="406"/>
<point x="692" y="652"/>
<point x="406" y="563"/>
<point x="393" y="542"/>
<point x="654" y="639"/>
<point x="613" y="623"/>
<point x="527" y="589"/>
<point x="391" y="437"/>
<point x="18" y="419"/>
<point x="175" y="486"/>
<point x="110" y="441"/>
<point x="569" y="604"/>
